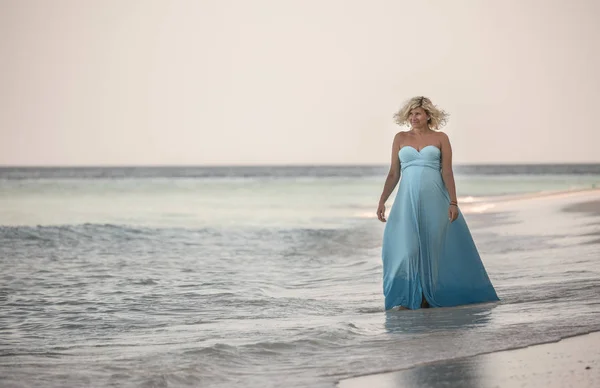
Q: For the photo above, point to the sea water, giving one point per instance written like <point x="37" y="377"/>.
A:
<point x="267" y="276"/>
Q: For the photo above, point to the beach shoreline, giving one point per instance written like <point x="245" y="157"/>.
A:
<point x="527" y="196"/>
<point x="569" y="362"/>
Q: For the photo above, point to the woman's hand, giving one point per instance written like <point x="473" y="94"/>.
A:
<point x="381" y="212"/>
<point x="452" y="213"/>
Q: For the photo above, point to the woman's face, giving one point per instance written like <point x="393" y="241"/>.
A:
<point x="418" y="118"/>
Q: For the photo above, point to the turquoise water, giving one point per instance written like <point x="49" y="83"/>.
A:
<point x="264" y="278"/>
<point x="309" y="201"/>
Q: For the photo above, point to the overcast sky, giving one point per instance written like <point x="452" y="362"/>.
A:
<point x="136" y="82"/>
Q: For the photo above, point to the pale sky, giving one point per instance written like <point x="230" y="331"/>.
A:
<point x="240" y="82"/>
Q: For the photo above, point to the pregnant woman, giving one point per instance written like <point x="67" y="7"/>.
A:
<point x="429" y="257"/>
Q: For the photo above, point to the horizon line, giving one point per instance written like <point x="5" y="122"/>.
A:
<point x="282" y="165"/>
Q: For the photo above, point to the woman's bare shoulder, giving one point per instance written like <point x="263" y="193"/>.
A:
<point x="442" y="137"/>
<point x="400" y="136"/>
<point x="399" y="140"/>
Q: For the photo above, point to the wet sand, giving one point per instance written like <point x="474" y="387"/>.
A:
<point x="571" y="362"/>
<point x="591" y="207"/>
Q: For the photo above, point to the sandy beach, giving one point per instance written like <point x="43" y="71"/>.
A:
<point x="572" y="362"/>
<point x="592" y="207"/>
<point x="589" y="207"/>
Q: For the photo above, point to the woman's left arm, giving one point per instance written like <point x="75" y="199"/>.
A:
<point x="448" y="176"/>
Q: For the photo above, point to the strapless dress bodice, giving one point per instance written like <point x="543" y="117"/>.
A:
<point x="428" y="156"/>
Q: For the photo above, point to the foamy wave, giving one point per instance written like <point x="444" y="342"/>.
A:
<point x="479" y="208"/>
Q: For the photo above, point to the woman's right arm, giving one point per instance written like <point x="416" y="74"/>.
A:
<point x="392" y="178"/>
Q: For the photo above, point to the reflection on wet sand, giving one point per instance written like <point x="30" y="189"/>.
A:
<point x="572" y="362"/>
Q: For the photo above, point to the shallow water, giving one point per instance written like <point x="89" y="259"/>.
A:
<point x="221" y="281"/>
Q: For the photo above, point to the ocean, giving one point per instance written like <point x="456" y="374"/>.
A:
<point x="269" y="276"/>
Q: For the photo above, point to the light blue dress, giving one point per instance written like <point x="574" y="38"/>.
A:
<point x="424" y="254"/>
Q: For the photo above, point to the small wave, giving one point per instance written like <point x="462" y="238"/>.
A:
<point x="89" y="231"/>
<point x="261" y="348"/>
<point x="48" y="354"/>
<point x="218" y="350"/>
<point x="145" y="282"/>
<point x="370" y="310"/>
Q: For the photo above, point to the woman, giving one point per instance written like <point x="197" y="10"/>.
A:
<point x="429" y="257"/>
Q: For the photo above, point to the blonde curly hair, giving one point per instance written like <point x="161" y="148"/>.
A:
<point x="437" y="117"/>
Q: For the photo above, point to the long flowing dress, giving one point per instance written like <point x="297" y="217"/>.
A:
<point x="425" y="256"/>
